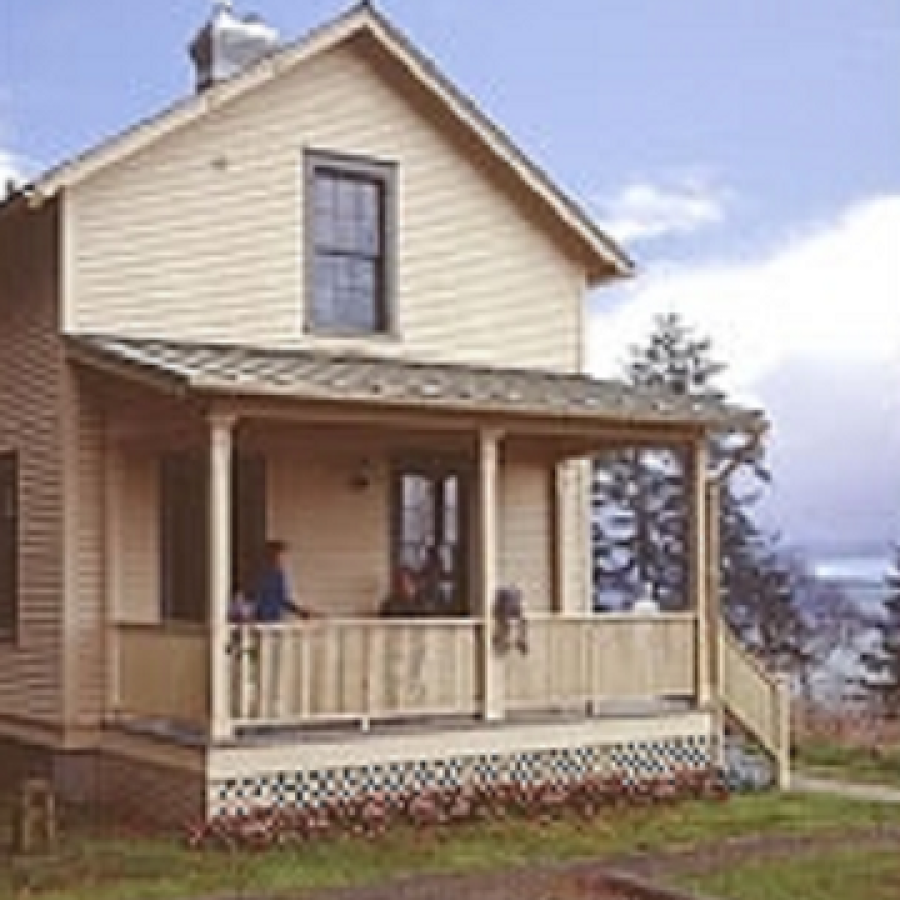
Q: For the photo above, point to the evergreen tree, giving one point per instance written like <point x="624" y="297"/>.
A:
<point x="881" y="663"/>
<point x="641" y="513"/>
<point x="640" y="527"/>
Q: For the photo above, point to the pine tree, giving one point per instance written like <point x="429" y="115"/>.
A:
<point x="640" y="527"/>
<point x="881" y="664"/>
<point x="640" y="503"/>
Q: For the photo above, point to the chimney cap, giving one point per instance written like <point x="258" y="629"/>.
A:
<point x="228" y="43"/>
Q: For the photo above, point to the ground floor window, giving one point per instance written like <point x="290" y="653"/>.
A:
<point x="9" y="544"/>
<point x="430" y="512"/>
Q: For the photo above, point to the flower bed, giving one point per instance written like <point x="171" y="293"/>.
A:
<point x="371" y="815"/>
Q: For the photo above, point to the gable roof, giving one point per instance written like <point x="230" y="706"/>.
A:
<point x="314" y="376"/>
<point x="605" y="260"/>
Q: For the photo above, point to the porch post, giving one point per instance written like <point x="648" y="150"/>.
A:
<point x="713" y="590"/>
<point x="557" y="525"/>
<point x="700" y="567"/>
<point x="488" y="441"/>
<point x="220" y="452"/>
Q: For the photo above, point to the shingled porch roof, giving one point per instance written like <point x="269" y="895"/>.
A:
<point x="245" y="371"/>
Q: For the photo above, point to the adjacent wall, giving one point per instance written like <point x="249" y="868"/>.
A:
<point x="31" y="385"/>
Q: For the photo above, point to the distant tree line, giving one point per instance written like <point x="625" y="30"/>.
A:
<point x="880" y="662"/>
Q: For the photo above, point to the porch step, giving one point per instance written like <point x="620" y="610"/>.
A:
<point x="747" y="766"/>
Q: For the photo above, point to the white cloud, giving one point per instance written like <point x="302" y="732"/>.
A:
<point x="12" y="168"/>
<point x="811" y="331"/>
<point x="645" y="211"/>
<point x="833" y="293"/>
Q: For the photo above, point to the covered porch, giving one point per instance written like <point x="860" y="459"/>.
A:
<point x="361" y="468"/>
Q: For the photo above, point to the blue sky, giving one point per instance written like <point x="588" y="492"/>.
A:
<point x="746" y="153"/>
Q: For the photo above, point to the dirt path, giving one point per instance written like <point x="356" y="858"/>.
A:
<point x="589" y="880"/>
<point x="739" y="850"/>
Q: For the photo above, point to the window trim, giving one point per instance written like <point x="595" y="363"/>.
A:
<point x="9" y="632"/>
<point x="434" y="467"/>
<point x="384" y="171"/>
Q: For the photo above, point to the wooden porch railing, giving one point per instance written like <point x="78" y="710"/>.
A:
<point x="162" y="672"/>
<point x="354" y="669"/>
<point x="328" y="670"/>
<point x="573" y="661"/>
<point x="759" y="700"/>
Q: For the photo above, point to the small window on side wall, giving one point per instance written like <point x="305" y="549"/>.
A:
<point x="9" y="545"/>
<point x="349" y="226"/>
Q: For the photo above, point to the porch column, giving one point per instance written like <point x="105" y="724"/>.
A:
<point x="221" y="433"/>
<point x="713" y="595"/>
<point x="700" y="565"/>
<point x="557" y="527"/>
<point x="488" y="442"/>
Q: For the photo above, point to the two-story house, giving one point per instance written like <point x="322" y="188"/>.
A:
<point x="325" y="301"/>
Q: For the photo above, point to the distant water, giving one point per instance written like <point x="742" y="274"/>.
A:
<point x="861" y="577"/>
<point x="856" y="570"/>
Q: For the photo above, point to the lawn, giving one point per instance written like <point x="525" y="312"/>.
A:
<point x="832" y="759"/>
<point x="100" y="864"/>
<point x="857" y="873"/>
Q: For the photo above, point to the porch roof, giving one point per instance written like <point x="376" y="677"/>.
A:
<point x="245" y="371"/>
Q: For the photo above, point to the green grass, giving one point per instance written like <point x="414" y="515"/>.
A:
<point x="856" y="873"/>
<point x="105" y="867"/>
<point x="830" y="759"/>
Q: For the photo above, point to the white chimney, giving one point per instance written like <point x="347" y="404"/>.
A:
<point x="229" y="43"/>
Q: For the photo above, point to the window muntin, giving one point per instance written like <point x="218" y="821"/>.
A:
<point x="349" y="249"/>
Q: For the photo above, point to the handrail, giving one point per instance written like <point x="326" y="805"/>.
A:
<point x="770" y="722"/>
<point x="730" y="638"/>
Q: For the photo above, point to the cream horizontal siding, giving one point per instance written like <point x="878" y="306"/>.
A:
<point x="525" y="532"/>
<point x="134" y="506"/>
<point x="200" y="236"/>
<point x="339" y="536"/>
<point x="574" y="494"/>
<point x="30" y="423"/>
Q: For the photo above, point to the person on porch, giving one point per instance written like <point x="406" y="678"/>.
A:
<point x="272" y="597"/>
<point x="403" y="600"/>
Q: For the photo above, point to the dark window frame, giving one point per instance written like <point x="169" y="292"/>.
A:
<point x="10" y="509"/>
<point x="437" y="471"/>
<point x="359" y="170"/>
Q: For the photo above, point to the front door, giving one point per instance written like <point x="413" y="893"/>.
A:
<point x="430" y="532"/>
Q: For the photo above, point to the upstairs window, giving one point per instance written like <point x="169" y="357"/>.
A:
<point x="349" y="227"/>
<point x="9" y="545"/>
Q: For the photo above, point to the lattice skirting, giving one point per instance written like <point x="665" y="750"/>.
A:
<point x="634" y="761"/>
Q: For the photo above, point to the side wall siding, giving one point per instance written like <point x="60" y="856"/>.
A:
<point x="200" y="236"/>
<point x="30" y="401"/>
